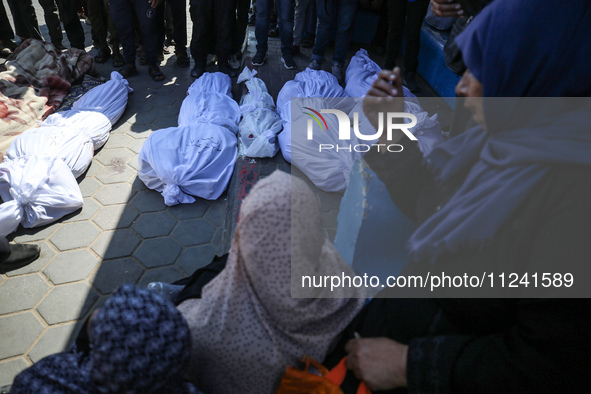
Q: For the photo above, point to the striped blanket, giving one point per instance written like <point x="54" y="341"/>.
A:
<point x="33" y="83"/>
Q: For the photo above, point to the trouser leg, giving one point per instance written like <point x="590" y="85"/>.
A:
<point x="6" y="32"/>
<point x="25" y="19"/>
<point x="179" y="23"/>
<point x="52" y="20"/>
<point x="241" y="25"/>
<point x="261" y="27"/>
<point x="299" y="19"/>
<point x="396" y="20"/>
<point x="345" y="19"/>
<point x="225" y="17"/>
<point x="202" y="17"/>
<point x="285" y="13"/>
<point x="415" y="14"/>
<point x="327" y="14"/>
<point x="69" y="16"/>
<point x="121" y="12"/>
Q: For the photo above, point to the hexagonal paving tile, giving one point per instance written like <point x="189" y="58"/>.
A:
<point x="35" y="234"/>
<point x="136" y="145"/>
<point x="158" y="251"/>
<point x="165" y="122"/>
<point x="71" y="266"/>
<point x="9" y="369"/>
<point x="190" y="211"/>
<point x="149" y="201"/>
<point x="115" y="216"/>
<point x="193" y="232"/>
<point x="141" y="118"/>
<point x="88" y="186"/>
<point x="67" y="302"/>
<point x="55" y="340"/>
<point x="74" y="235"/>
<point x="114" y="157"/>
<point x="165" y="274"/>
<point x="217" y="213"/>
<point x="114" y="194"/>
<point x="22" y="292"/>
<point x="115" y="244"/>
<point x="116" y="173"/>
<point x="154" y="224"/>
<point x="95" y="167"/>
<point x="161" y="100"/>
<point x="46" y="254"/>
<point x="89" y="208"/>
<point x="138" y="184"/>
<point x="195" y="257"/>
<point x="113" y="273"/>
<point x="166" y="111"/>
<point x="18" y="333"/>
<point x="118" y="141"/>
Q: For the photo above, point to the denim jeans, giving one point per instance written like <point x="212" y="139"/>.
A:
<point x="330" y="13"/>
<point x="285" y="11"/>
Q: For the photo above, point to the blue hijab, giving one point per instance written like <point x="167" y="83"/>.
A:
<point x="521" y="50"/>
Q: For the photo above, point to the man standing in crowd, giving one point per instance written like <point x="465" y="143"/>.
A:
<point x="285" y="11"/>
<point x="331" y="12"/>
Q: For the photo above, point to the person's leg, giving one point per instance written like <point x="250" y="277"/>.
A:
<point x="52" y="21"/>
<point x="146" y="19"/>
<point x="6" y="32"/>
<point x="25" y="19"/>
<point x="415" y="14"/>
<point x="202" y="17"/>
<point x="285" y="13"/>
<point x="121" y="12"/>
<point x="345" y="20"/>
<point x="225" y="17"/>
<point x="241" y="25"/>
<point x="159" y="24"/>
<point x="261" y="29"/>
<point x="396" y="18"/>
<point x="69" y="16"/>
<point x="112" y="29"/>
<point x="327" y="14"/>
<point x="299" y="20"/>
<point x="179" y="20"/>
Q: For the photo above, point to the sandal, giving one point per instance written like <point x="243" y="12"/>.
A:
<point x="102" y="56"/>
<point x="129" y="70"/>
<point x="155" y="73"/>
<point x="118" y="60"/>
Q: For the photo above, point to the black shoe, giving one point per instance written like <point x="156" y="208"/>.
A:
<point x="288" y="62"/>
<point x="252" y="20"/>
<point x="197" y="71"/>
<point x="410" y="80"/>
<point x="226" y="69"/>
<point x="20" y="255"/>
<point x="274" y="32"/>
<point x="258" y="59"/>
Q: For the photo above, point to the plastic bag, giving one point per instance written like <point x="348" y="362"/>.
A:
<point x="181" y="162"/>
<point x="66" y="143"/>
<point x="36" y="190"/>
<point x="94" y="125"/>
<point x="110" y="98"/>
<point x="260" y="122"/>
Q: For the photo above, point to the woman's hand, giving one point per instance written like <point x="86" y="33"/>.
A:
<point x="385" y="95"/>
<point x="379" y="362"/>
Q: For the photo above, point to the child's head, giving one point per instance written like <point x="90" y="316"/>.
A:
<point x="139" y="342"/>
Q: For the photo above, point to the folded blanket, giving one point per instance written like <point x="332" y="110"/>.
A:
<point x="33" y="83"/>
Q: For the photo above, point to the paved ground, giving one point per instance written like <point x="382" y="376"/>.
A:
<point x="124" y="232"/>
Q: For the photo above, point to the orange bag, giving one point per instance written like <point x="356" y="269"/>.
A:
<point x="295" y="381"/>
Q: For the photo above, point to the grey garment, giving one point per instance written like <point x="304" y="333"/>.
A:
<point x="300" y="20"/>
<point x="4" y="249"/>
<point x="52" y="20"/>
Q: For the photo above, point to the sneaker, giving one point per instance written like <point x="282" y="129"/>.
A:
<point x="258" y="59"/>
<point x="288" y="62"/>
<point x="314" y="65"/>
<point x="337" y="71"/>
<point x="410" y="81"/>
<point x="234" y="63"/>
<point x="226" y="69"/>
<point x="197" y="71"/>
<point x="274" y="32"/>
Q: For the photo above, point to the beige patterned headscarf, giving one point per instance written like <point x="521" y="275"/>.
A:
<point x="246" y="328"/>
